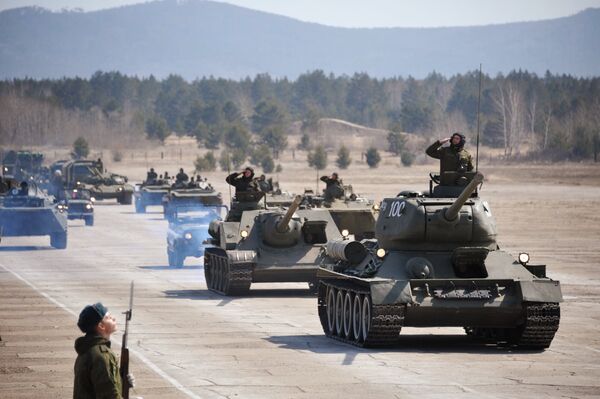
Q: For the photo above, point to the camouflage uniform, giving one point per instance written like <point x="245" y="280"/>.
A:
<point x="96" y="369"/>
<point x="333" y="188"/>
<point x="452" y="159"/>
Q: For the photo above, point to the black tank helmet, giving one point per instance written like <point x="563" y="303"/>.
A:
<point x="251" y="171"/>
<point x="462" y="140"/>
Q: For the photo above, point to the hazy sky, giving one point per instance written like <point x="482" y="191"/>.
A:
<point x="375" y="13"/>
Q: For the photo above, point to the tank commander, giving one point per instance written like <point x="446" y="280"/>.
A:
<point x="242" y="181"/>
<point x="151" y="175"/>
<point x="167" y="177"/>
<point x="333" y="187"/>
<point x="96" y="367"/>
<point x="181" y="176"/>
<point x="453" y="158"/>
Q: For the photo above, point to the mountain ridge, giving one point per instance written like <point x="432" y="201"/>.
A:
<point x="202" y="38"/>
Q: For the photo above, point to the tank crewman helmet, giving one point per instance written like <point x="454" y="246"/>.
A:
<point x="461" y="144"/>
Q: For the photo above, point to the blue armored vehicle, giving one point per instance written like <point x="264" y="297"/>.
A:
<point x="188" y="231"/>
<point x="26" y="211"/>
<point x="184" y="194"/>
<point x="150" y="193"/>
<point x="435" y="261"/>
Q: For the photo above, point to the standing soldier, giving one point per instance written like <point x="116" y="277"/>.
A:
<point x="242" y="181"/>
<point x="333" y="188"/>
<point x="453" y="158"/>
<point x="181" y="176"/>
<point x="96" y="367"/>
<point x="100" y="165"/>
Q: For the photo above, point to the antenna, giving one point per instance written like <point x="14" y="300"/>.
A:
<point x="228" y="173"/>
<point x="478" y="108"/>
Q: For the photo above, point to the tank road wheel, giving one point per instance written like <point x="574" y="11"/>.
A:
<point x="58" y="240"/>
<point x="331" y="310"/>
<point x="347" y="315"/>
<point x="357" y="318"/>
<point x="366" y="317"/>
<point x="175" y="259"/>
<point x="339" y="313"/>
<point x="89" y="220"/>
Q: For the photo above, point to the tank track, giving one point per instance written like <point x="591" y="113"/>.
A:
<point x="226" y="278"/>
<point x="384" y="321"/>
<point x="537" y="332"/>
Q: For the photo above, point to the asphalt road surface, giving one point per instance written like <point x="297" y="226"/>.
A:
<point x="189" y="343"/>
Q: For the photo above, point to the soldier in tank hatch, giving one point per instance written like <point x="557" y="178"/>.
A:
<point x="453" y="158"/>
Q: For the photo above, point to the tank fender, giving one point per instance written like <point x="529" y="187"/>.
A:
<point x="541" y="291"/>
<point x="389" y="292"/>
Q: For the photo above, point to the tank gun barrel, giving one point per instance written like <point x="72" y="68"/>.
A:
<point x="282" y="224"/>
<point x="452" y="212"/>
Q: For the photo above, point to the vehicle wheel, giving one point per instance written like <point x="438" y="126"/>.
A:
<point x="139" y="207"/>
<point x="58" y="240"/>
<point x="125" y="199"/>
<point x="175" y="259"/>
<point x="89" y="220"/>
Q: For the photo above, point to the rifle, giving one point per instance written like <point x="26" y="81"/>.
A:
<point x="124" y="363"/>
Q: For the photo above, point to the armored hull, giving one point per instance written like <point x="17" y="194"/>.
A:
<point x="33" y="216"/>
<point x="267" y="246"/>
<point x="435" y="262"/>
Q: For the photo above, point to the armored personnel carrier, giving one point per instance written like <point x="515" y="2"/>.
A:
<point x="85" y="174"/>
<point x="267" y="245"/>
<point x="184" y="195"/>
<point x="188" y="231"/>
<point x="22" y="165"/>
<point x="150" y="193"/>
<point x="435" y="262"/>
<point x="26" y="211"/>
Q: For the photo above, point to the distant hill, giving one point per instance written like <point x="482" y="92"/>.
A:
<point x="197" y="38"/>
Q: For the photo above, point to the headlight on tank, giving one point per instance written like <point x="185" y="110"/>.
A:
<point x="523" y="258"/>
<point x="119" y="189"/>
<point x="381" y="252"/>
<point x="345" y="233"/>
<point x="376" y="207"/>
<point x="187" y="236"/>
<point x="93" y="199"/>
<point x="244" y="233"/>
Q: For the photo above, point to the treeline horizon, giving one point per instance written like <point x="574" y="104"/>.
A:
<point x="553" y="117"/>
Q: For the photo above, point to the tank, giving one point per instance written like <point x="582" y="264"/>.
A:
<point x="102" y="185"/>
<point x="435" y="262"/>
<point x="31" y="213"/>
<point x="22" y="165"/>
<point x="150" y="193"/>
<point x="184" y="195"/>
<point x="267" y="245"/>
<point x="350" y="212"/>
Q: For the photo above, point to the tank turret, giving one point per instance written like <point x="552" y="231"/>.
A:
<point x="429" y="223"/>
<point x="281" y="230"/>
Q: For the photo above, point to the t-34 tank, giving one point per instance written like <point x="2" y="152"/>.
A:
<point x="267" y="245"/>
<point x="435" y="262"/>
<point x="26" y="211"/>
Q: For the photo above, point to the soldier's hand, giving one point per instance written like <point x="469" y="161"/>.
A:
<point x="444" y="141"/>
<point x="131" y="380"/>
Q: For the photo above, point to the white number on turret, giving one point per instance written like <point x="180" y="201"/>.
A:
<point x="396" y="209"/>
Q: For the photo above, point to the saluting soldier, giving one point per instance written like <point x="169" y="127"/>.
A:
<point x="453" y="158"/>
<point x="242" y="181"/>
<point x="333" y="187"/>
